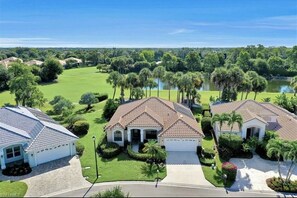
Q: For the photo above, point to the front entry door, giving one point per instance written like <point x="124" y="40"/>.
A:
<point x="135" y="135"/>
<point x="248" y="133"/>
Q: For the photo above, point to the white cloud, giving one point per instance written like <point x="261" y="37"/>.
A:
<point x="181" y="31"/>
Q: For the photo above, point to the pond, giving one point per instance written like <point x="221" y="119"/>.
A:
<point x="279" y="86"/>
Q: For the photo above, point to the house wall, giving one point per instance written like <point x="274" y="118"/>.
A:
<point x="254" y="123"/>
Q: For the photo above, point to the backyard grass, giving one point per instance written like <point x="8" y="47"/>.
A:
<point x="214" y="176"/>
<point x="12" y="189"/>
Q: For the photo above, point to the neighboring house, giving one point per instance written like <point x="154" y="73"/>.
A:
<point x="6" y="62"/>
<point x="171" y="124"/>
<point x="34" y="62"/>
<point x="28" y="135"/>
<point x="257" y="118"/>
<point x="72" y="60"/>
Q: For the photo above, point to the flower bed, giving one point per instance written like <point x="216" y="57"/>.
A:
<point x="17" y="170"/>
<point x="230" y="170"/>
<point x="277" y="185"/>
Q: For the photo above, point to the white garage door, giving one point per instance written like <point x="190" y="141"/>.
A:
<point x="181" y="144"/>
<point x="50" y="154"/>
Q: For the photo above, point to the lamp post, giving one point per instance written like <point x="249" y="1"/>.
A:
<point x="94" y="140"/>
<point x="157" y="178"/>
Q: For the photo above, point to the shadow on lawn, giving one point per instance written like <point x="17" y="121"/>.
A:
<point x="84" y="110"/>
<point x="99" y="120"/>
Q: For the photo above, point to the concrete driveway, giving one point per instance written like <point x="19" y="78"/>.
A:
<point x="60" y="175"/>
<point x="252" y="173"/>
<point x="184" y="168"/>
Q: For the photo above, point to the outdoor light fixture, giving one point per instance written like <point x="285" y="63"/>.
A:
<point x="94" y="140"/>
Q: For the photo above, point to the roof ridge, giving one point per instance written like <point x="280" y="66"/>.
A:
<point x="145" y="112"/>
<point x="11" y="109"/>
<point x="146" y="99"/>
<point x="258" y="103"/>
<point x="14" y="131"/>
<point x="34" y="140"/>
<point x="282" y="109"/>
<point x="161" y="100"/>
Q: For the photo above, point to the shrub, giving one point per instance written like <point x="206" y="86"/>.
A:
<point x="207" y="161"/>
<point x="206" y="125"/>
<point x="79" y="148"/>
<point x="231" y="141"/>
<point x="198" y="118"/>
<point x="110" y="150"/>
<point x="230" y="170"/>
<point x="198" y="150"/>
<point x="207" y="114"/>
<point x="72" y="119"/>
<point x="115" y="192"/>
<point x="17" y="170"/>
<point x="137" y="156"/>
<point x="277" y="185"/>
<point x="225" y="153"/>
<point x="80" y="127"/>
<point x="110" y="108"/>
<point x="208" y="153"/>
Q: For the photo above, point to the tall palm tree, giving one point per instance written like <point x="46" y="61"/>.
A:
<point x="186" y="86"/>
<point x="154" y="149"/>
<point x="177" y="77"/>
<point x="294" y="84"/>
<point x="151" y="84"/>
<point x="218" y="77"/>
<point x="245" y="86"/>
<point x="224" y="117"/>
<point x="291" y="154"/>
<point x="169" y="79"/>
<point x="159" y="73"/>
<point x="234" y="118"/>
<point x="144" y="75"/>
<point x="132" y="81"/>
<point x="113" y="79"/>
<point x="275" y="148"/>
<point x="259" y="86"/>
<point x="122" y="83"/>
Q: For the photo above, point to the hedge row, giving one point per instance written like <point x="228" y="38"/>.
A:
<point x="101" y="97"/>
<point x="207" y="161"/>
<point x="79" y="149"/>
<point x="137" y="156"/>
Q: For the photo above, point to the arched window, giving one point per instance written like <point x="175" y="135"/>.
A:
<point x="117" y="136"/>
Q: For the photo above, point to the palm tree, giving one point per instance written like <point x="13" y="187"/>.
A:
<point x="186" y="86"/>
<point x="154" y="149"/>
<point x="113" y="79"/>
<point x="218" y="77"/>
<point x="144" y="75"/>
<point x="275" y="148"/>
<point x="122" y="83"/>
<point x="291" y="154"/>
<point x="245" y="86"/>
<point x="259" y="86"/>
<point x="220" y="118"/>
<point x="177" y="77"/>
<point x="132" y="81"/>
<point x="294" y="84"/>
<point x="151" y="84"/>
<point x="169" y="79"/>
<point x="234" y="118"/>
<point x="159" y="73"/>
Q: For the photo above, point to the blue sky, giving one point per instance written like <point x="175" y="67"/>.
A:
<point x="147" y="23"/>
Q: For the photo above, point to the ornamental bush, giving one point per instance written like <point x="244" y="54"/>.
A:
<point x="207" y="114"/>
<point x="230" y="170"/>
<point x="277" y="185"/>
<point x="208" y="153"/>
<point x="79" y="148"/>
<point x="206" y="125"/>
<point x="80" y="127"/>
<point x="207" y="161"/>
<point x="137" y="156"/>
<point x="110" y="150"/>
<point x="231" y="141"/>
<point x="17" y="170"/>
<point x="101" y="97"/>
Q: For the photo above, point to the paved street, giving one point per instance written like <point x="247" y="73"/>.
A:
<point x="148" y="189"/>
<point x="184" y="168"/>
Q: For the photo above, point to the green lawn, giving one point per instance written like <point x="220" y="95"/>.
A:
<point x="12" y="189"/>
<point x="213" y="176"/>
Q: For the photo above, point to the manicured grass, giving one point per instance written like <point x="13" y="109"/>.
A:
<point x="214" y="176"/>
<point x="12" y="189"/>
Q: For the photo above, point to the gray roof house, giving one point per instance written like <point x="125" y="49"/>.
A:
<point x="29" y="135"/>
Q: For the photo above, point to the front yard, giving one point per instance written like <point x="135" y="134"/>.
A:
<point x="12" y="189"/>
<point x="214" y="176"/>
<point x="119" y="168"/>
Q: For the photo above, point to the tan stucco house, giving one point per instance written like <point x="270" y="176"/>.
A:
<point x="257" y="118"/>
<point x="171" y="124"/>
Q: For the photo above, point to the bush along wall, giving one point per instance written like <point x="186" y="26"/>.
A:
<point x="230" y="170"/>
<point x="110" y="150"/>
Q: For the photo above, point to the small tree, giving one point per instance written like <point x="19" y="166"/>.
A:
<point x="110" y="108"/>
<point x="88" y="99"/>
<point x="154" y="149"/>
<point x="62" y="106"/>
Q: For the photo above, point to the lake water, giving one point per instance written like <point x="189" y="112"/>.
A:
<point x="279" y="86"/>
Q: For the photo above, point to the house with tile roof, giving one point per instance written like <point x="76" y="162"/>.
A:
<point x="8" y="61"/>
<point x="29" y="135"/>
<point x="171" y="124"/>
<point x="257" y="118"/>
